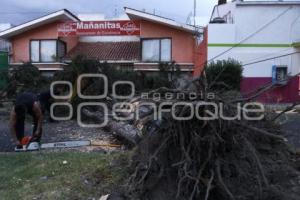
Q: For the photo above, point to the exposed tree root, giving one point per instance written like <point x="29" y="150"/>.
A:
<point x="211" y="160"/>
<point x="202" y="159"/>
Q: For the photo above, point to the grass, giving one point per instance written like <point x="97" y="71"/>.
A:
<point x="45" y="175"/>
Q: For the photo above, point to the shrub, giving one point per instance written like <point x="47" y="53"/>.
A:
<point x="27" y="74"/>
<point x="143" y="81"/>
<point x="95" y="86"/>
<point x="168" y="73"/>
<point x="224" y="75"/>
<point x="3" y="78"/>
<point x="26" y="77"/>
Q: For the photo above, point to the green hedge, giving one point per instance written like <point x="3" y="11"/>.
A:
<point x="224" y="75"/>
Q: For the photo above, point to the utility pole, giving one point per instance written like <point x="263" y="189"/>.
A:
<point x="195" y="5"/>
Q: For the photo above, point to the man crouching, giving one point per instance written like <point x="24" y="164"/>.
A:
<point x="26" y="103"/>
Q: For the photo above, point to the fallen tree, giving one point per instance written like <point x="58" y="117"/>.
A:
<point x="215" y="159"/>
<point x="120" y="129"/>
<point x="203" y="159"/>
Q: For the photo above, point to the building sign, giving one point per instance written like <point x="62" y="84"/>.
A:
<point x="98" y="28"/>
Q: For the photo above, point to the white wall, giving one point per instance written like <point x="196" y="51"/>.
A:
<point x="247" y="55"/>
<point x="295" y="30"/>
<point x="276" y="20"/>
<point x="221" y="33"/>
<point x="253" y="26"/>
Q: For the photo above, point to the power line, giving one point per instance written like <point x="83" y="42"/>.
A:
<point x="251" y="35"/>
<point x="267" y="55"/>
<point x="259" y="61"/>
<point x="270" y="83"/>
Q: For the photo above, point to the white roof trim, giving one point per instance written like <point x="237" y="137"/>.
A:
<point x="156" y="69"/>
<point x="50" y="63"/>
<point x="51" y="69"/>
<point x="54" y="63"/>
<point x="109" y="61"/>
<point x="118" y="61"/>
<point x="34" y="23"/>
<point x="155" y="63"/>
<point x="158" y="19"/>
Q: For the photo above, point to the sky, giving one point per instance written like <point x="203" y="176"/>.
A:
<point x="20" y="11"/>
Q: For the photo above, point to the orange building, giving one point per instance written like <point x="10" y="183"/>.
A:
<point x="159" y="40"/>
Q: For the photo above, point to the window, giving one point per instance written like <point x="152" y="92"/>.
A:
<point x="279" y="74"/>
<point x="156" y="50"/>
<point x="34" y="51"/>
<point x="61" y="49"/>
<point x="5" y="45"/>
<point x="150" y="50"/>
<point x="46" y="50"/>
<point x="165" y="50"/>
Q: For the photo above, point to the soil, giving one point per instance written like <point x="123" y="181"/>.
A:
<point x="290" y="124"/>
<point x="58" y="132"/>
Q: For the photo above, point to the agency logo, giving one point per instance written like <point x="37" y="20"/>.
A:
<point x="251" y="111"/>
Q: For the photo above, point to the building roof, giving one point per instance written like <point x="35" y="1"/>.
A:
<point x="107" y="51"/>
<point x="249" y="3"/>
<point x="65" y="15"/>
<point x="137" y="14"/>
<point x="58" y="15"/>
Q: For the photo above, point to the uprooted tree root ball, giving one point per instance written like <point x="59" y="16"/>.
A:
<point x="213" y="160"/>
<point x="196" y="159"/>
<point x="205" y="159"/>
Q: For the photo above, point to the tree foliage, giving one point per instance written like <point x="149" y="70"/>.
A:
<point x="224" y="75"/>
<point x="3" y="78"/>
<point x="142" y="81"/>
<point x="25" y="77"/>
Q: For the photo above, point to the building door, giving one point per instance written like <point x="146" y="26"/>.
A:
<point x="3" y="68"/>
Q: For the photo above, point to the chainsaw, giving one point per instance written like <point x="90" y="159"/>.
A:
<point x="35" y="146"/>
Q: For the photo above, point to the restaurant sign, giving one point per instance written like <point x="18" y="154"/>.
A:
<point x="99" y="28"/>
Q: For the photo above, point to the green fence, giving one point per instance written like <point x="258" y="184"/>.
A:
<point x="3" y="69"/>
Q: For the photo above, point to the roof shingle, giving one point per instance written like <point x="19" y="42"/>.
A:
<point x="107" y="51"/>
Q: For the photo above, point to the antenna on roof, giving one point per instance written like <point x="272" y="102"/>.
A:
<point x="116" y="11"/>
<point x="189" y="18"/>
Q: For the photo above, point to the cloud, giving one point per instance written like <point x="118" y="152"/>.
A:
<point x="19" y="11"/>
